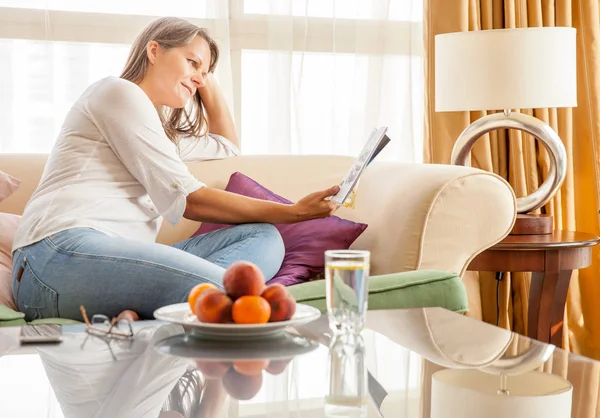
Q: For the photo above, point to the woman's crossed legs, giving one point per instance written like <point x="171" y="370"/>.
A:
<point x="108" y="275"/>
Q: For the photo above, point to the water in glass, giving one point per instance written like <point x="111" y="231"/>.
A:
<point x="346" y="275"/>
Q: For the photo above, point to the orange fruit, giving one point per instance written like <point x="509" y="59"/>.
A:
<point x="196" y="292"/>
<point x="251" y="310"/>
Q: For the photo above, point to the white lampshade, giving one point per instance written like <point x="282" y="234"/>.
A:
<point x="524" y="68"/>
<point x="473" y="394"/>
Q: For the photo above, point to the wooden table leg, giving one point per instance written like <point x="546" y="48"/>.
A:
<point x="558" y="307"/>
<point x="533" y="311"/>
<point x="547" y="301"/>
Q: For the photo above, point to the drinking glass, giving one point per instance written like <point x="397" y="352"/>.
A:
<point x="348" y="394"/>
<point x="346" y="275"/>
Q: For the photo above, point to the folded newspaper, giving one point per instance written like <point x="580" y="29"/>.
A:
<point x="376" y="142"/>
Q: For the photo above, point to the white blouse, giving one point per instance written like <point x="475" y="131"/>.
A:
<point x="113" y="169"/>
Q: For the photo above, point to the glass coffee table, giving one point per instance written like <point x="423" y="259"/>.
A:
<point x="421" y="363"/>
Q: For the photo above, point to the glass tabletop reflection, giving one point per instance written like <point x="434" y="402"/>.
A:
<point x="426" y="362"/>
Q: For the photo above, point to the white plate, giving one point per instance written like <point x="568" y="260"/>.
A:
<point x="180" y="313"/>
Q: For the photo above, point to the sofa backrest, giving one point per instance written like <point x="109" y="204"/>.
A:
<point x="289" y="176"/>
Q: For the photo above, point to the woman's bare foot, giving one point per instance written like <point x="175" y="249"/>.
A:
<point x="129" y="315"/>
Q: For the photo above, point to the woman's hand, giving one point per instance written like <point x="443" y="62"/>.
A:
<point x="220" y="120"/>
<point x="316" y="205"/>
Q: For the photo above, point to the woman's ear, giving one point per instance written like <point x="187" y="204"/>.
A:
<point x="152" y="51"/>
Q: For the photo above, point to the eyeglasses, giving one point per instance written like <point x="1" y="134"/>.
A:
<point x="102" y="325"/>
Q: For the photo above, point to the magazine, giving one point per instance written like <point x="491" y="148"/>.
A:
<point x="376" y="142"/>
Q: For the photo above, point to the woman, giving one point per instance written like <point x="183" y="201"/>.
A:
<point x="87" y="235"/>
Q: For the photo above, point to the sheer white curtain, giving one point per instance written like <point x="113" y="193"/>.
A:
<point x="322" y="73"/>
<point x="301" y="76"/>
<point x="51" y="50"/>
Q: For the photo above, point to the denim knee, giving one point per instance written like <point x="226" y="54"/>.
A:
<point x="271" y="243"/>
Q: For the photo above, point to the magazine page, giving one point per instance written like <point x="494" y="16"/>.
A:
<point x="375" y="143"/>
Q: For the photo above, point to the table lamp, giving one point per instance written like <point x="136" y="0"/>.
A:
<point x="475" y="394"/>
<point x="505" y="70"/>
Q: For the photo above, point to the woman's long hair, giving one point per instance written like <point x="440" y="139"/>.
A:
<point x="171" y="32"/>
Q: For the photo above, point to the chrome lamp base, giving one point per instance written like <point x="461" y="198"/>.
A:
<point x="537" y="128"/>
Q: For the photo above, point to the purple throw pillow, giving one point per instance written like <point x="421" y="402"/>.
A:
<point x="305" y="242"/>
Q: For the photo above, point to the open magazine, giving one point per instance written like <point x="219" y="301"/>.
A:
<point x="376" y="142"/>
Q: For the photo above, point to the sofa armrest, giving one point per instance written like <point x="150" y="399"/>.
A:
<point x="431" y="216"/>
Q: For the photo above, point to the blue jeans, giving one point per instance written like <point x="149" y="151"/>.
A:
<point x="81" y="266"/>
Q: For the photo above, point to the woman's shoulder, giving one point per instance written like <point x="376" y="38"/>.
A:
<point x="114" y="82"/>
<point x="113" y="90"/>
<point x="111" y="85"/>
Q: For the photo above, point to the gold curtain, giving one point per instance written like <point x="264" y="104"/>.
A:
<point x="516" y="156"/>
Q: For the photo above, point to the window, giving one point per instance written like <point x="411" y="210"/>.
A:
<point x="404" y="10"/>
<point x="183" y="8"/>
<point x="328" y="100"/>
<point x="40" y="80"/>
<point x="298" y="74"/>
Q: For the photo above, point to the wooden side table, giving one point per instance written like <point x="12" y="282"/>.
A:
<point x="551" y="258"/>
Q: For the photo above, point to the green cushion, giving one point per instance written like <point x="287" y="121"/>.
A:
<point x="7" y="314"/>
<point x="59" y="321"/>
<point x="10" y="318"/>
<point x="410" y="289"/>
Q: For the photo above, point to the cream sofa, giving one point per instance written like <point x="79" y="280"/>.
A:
<point x="420" y="216"/>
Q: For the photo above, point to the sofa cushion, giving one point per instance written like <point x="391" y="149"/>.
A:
<point x="410" y="289"/>
<point x="305" y="242"/>
<point x="12" y="318"/>
<point x="8" y="314"/>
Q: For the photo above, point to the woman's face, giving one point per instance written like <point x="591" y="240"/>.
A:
<point x="176" y="73"/>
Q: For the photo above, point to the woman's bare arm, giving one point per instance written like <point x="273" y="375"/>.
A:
<point x="214" y="205"/>
<point x="218" y="114"/>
